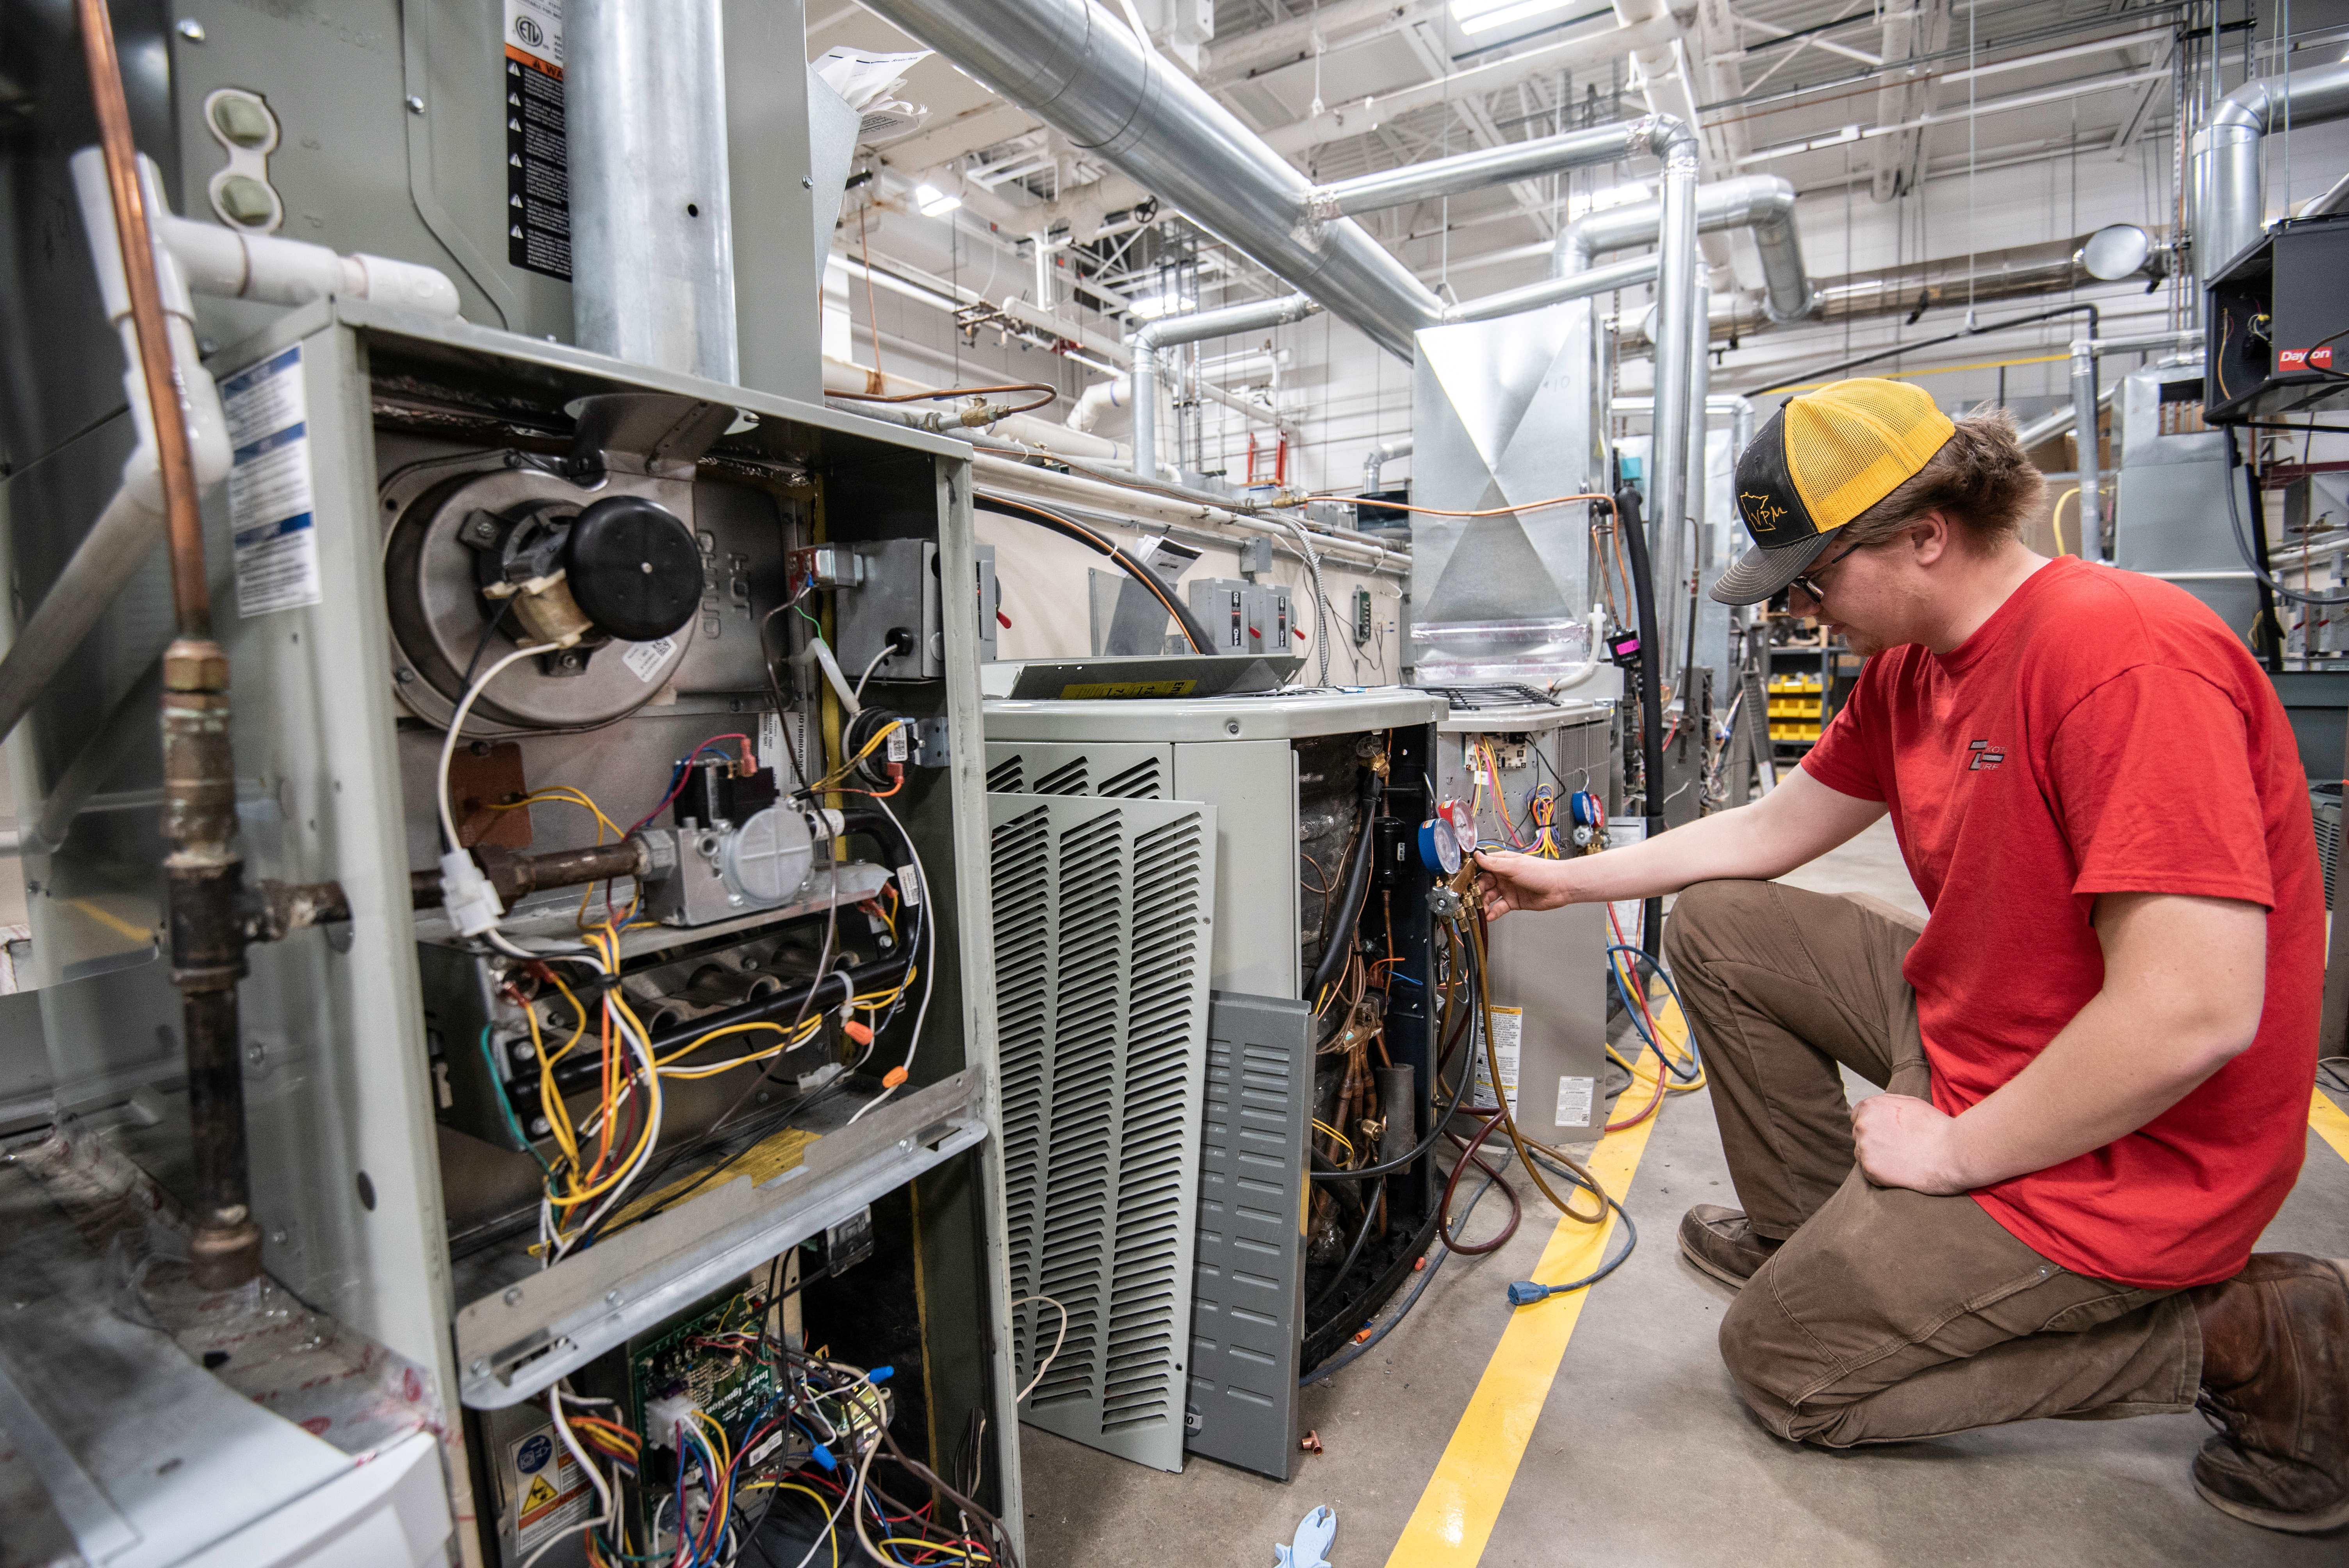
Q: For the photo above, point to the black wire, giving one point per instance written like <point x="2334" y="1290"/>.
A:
<point x="1027" y="511"/>
<point x="2243" y="544"/>
<point x="1404" y="1162"/>
<point x="1371" y="1213"/>
<point x="1354" y="1353"/>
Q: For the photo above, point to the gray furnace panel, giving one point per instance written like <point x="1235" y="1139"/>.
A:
<point x="1248" y="1303"/>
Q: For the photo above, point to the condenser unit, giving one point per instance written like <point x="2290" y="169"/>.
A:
<point x="1091" y="931"/>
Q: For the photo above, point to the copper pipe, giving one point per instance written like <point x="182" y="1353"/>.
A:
<point x="204" y="872"/>
<point x="183" y="520"/>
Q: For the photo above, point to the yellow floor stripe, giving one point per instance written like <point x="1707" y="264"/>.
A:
<point x="2331" y="1123"/>
<point x="1457" y="1512"/>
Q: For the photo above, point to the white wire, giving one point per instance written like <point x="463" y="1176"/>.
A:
<point x="1058" y="1340"/>
<point x="929" y="958"/>
<point x="886" y="649"/>
<point x="650" y="1139"/>
<point x="457" y="723"/>
<point x="563" y="1429"/>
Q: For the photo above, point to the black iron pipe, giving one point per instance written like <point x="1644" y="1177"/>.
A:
<point x="1628" y="503"/>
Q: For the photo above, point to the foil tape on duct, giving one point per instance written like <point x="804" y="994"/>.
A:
<point x="1501" y="417"/>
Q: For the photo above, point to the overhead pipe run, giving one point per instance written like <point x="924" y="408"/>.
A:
<point x="2230" y="175"/>
<point x="1380" y="455"/>
<point x="1092" y="79"/>
<point x="1169" y="330"/>
<point x="1764" y="203"/>
<point x="2086" y="399"/>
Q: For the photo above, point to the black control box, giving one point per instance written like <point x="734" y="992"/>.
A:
<point x="2277" y="330"/>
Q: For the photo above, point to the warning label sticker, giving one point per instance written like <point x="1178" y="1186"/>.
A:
<point x="1508" y="1035"/>
<point x="548" y="1489"/>
<point x="538" y="163"/>
<point x="1574" y="1098"/>
<point x="271" y="520"/>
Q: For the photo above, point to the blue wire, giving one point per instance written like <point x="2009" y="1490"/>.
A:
<point x="1639" y="1021"/>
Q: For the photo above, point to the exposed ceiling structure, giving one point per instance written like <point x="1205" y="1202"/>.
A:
<point x="1835" y="96"/>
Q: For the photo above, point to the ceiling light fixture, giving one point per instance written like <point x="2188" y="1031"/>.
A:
<point x="1477" y="16"/>
<point x="933" y="203"/>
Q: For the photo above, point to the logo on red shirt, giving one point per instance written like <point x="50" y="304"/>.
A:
<point x="1985" y="756"/>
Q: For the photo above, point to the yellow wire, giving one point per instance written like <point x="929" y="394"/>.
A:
<point x="822" y="1503"/>
<point x="1329" y="1131"/>
<point x="570" y="795"/>
<point x="2055" y="518"/>
<point x="934" y="1546"/>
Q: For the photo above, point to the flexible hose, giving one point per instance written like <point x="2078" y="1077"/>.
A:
<point x="1468" y="1156"/>
<point x="1378" y="1206"/>
<point x="1651" y="698"/>
<point x="1525" y="1146"/>
<point x="1069" y="528"/>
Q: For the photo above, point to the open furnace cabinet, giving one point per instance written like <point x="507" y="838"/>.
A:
<point x="465" y="490"/>
<point x="1169" y="874"/>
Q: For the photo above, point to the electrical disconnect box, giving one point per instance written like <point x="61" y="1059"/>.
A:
<point x="1243" y="616"/>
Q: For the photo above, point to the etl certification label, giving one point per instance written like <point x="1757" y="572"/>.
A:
<point x="270" y="501"/>
<point x="1508" y="1035"/>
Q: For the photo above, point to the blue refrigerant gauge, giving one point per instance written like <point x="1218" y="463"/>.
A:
<point x="1439" y="847"/>
<point x="1446" y="839"/>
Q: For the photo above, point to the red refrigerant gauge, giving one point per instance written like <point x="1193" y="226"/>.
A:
<point x="1462" y="818"/>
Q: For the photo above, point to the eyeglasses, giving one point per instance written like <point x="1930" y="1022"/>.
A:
<point x="1808" y="580"/>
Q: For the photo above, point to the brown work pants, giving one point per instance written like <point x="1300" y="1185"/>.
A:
<point x="1887" y="1314"/>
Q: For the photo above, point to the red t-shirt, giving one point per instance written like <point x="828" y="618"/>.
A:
<point x="2102" y="732"/>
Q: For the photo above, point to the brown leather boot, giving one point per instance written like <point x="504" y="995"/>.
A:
<point x="1719" y="1242"/>
<point x="2275" y="1382"/>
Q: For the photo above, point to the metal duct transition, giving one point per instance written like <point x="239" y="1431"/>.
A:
<point x="1762" y="203"/>
<point x="2230" y="199"/>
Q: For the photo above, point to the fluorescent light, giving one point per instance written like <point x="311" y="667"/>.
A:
<point x="1482" y="15"/>
<point x="933" y="203"/>
<point x="1154" y="307"/>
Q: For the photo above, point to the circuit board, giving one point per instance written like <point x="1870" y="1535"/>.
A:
<point x="712" y="1360"/>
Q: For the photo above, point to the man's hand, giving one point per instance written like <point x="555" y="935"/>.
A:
<point x="1905" y="1142"/>
<point x="1513" y="880"/>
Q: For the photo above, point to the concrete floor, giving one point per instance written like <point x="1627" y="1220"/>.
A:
<point x="1643" y="1454"/>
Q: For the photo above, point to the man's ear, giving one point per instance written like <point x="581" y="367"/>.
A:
<point x="1930" y="538"/>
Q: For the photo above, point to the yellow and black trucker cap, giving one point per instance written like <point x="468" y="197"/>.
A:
<point x="1825" y="458"/>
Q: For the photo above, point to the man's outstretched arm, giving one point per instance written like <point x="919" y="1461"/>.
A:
<point x="2185" y="980"/>
<point x="1798" y="822"/>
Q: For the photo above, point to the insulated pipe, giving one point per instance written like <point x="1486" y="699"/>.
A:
<point x="1380" y="455"/>
<point x="228" y="264"/>
<point x="1762" y="203"/>
<point x="1117" y="392"/>
<point x="125" y="534"/>
<point x="1168" y="330"/>
<point x="2086" y="438"/>
<point x="1475" y="170"/>
<point x="2229" y="176"/>
<point x="2334" y="199"/>
<point x="1125" y="499"/>
<point x="652" y="246"/>
<point x="840" y="376"/>
<point x="1085" y="73"/>
<point x="1676" y="327"/>
<point x="1554" y="291"/>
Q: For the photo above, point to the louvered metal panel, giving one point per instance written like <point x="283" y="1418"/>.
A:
<point x="1102" y="994"/>
<point x="1120" y="770"/>
<point x="1249" y="1312"/>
